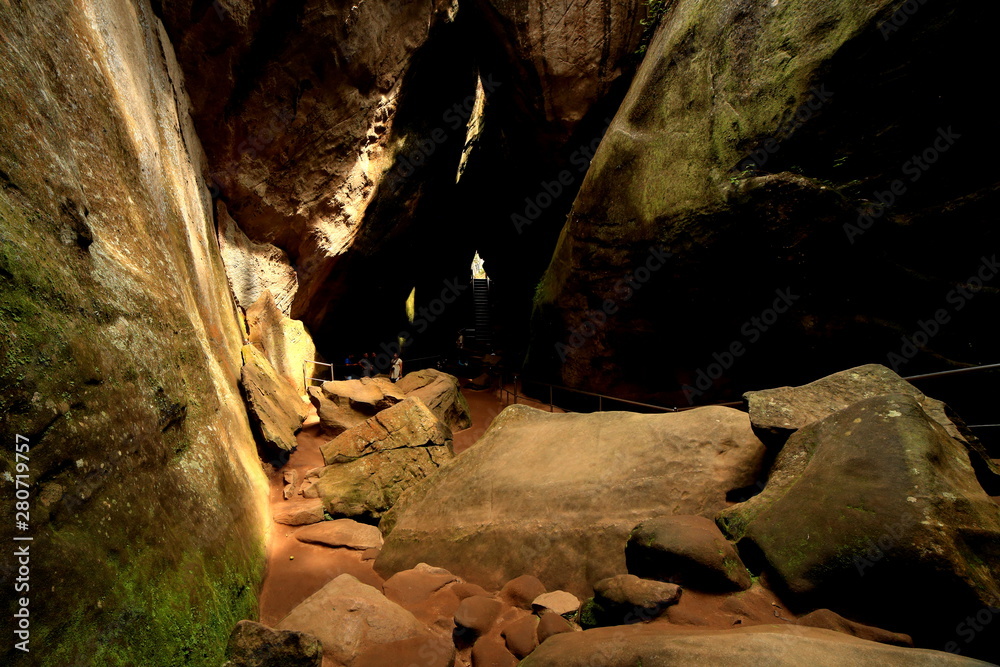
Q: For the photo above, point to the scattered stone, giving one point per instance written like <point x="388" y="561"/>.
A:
<point x="831" y="620"/>
<point x="521" y="636"/>
<point x="550" y="623"/>
<point x="687" y="550"/>
<point x="521" y="591"/>
<point x="350" y="618"/>
<point x="477" y="614"/>
<point x="341" y="533"/>
<point x="626" y="598"/>
<point x="560" y="602"/>
<point x="441" y="393"/>
<point x="300" y="512"/>
<point x="254" y="644"/>
<point x="291" y="479"/>
<point x="492" y="652"/>
<point x="567" y="499"/>
<point x="411" y="586"/>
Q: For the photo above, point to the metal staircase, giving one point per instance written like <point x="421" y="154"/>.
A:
<point x="481" y="306"/>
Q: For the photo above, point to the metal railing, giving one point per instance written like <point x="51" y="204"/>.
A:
<point x="409" y="365"/>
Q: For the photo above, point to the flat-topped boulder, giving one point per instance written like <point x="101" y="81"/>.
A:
<point x="442" y="394"/>
<point x="555" y="495"/>
<point x="366" y="395"/>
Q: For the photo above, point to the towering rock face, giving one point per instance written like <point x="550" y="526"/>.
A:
<point x="782" y="181"/>
<point x="120" y="350"/>
<point x="297" y="104"/>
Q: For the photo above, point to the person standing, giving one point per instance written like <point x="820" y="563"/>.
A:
<point x="397" y="368"/>
<point x="366" y="366"/>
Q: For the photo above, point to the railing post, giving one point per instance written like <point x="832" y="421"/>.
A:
<point x="600" y="404"/>
<point x="515" y="388"/>
<point x="551" y="407"/>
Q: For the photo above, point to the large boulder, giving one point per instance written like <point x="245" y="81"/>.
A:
<point x="555" y="495"/>
<point x="366" y="395"/>
<point x="777" y="413"/>
<point x="349" y="618"/>
<point x="874" y="512"/>
<point x="275" y="408"/>
<point x="334" y="417"/>
<point x="286" y="342"/>
<point x="255" y="645"/>
<point x="663" y="645"/>
<point x="370" y="465"/>
<point x="341" y="533"/>
<point x="625" y="598"/>
<point x="442" y="394"/>
<point x="756" y="152"/>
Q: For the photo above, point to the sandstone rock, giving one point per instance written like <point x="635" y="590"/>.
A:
<point x="663" y="645"/>
<point x="475" y="615"/>
<point x="256" y="645"/>
<point x="466" y="590"/>
<point x="824" y="618"/>
<point x="334" y="417"/>
<point x="777" y="413"/>
<point x="350" y="618"/>
<point x="491" y="652"/>
<point x="521" y="591"/>
<point x="285" y="342"/>
<point x="559" y="602"/>
<point x="521" y="636"/>
<point x="274" y="407"/>
<point x="683" y="166"/>
<point x="551" y="623"/>
<point x="254" y="268"/>
<point x="864" y="503"/>
<point x="300" y="512"/>
<point x="539" y="494"/>
<point x="688" y="550"/>
<point x="367" y="395"/>
<point x="291" y="479"/>
<point x="409" y="424"/>
<point x="427" y="651"/>
<point x="341" y="533"/>
<point x="441" y="393"/>
<point x="411" y="586"/>
<point x="626" y="598"/>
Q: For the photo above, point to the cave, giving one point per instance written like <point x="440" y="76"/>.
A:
<point x="452" y="333"/>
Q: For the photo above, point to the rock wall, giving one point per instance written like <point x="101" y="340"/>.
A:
<point x="790" y="181"/>
<point x="120" y="350"/>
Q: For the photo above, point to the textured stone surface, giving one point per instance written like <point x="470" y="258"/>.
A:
<point x="721" y="82"/>
<point x="350" y="618"/>
<point x="871" y="512"/>
<point x="256" y="645"/>
<point x="625" y="598"/>
<point x="341" y="533"/>
<point x="688" y="550"/>
<point x="660" y="645"/>
<point x="286" y="342"/>
<point x="824" y="618"/>
<point x="555" y="495"/>
<point x="121" y="348"/>
<point x="274" y="406"/>
<point x="441" y="392"/>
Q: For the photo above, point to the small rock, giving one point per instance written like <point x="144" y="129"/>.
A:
<point x="560" y="602"/>
<point x="300" y="512"/>
<point x="521" y="636"/>
<point x="491" y="652"/>
<point x="521" y="591"/>
<point x="411" y="586"/>
<point x="550" y="623"/>
<point x="341" y="533"/>
<point x="465" y="590"/>
<point x="253" y="644"/>
<point x="475" y="615"/>
<point x="628" y="599"/>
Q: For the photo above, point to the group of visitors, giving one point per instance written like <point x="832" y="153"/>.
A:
<point x="367" y="366"/>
